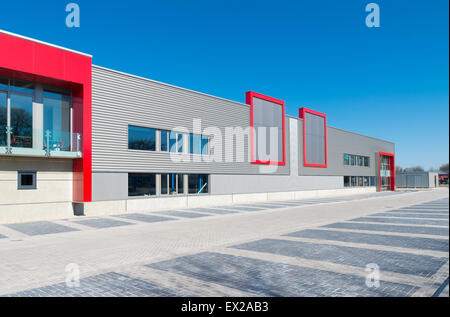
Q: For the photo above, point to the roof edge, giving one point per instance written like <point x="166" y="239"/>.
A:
<point x="44" y="43"/>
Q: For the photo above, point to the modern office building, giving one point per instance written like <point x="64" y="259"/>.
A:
<point x="75" y="137"/>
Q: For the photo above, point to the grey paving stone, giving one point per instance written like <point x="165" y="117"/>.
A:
<point x="443" y="223"/>
<point x="243" y="208"/>
<point x="266" y="206"/>
<point x="389" y="228"/>
<point x="406" y="215"/>
<point x="213" y="210"/>
<point x="39" y="228"/>
<point x="265" y="278"/>
<point x="372" y="238"/>
<point x="144" y="217"/>
<point x="419" y="211"/>
<point x="102" y="223"/>
<point x="436" y="209"/>
<point x="405" y="263"/>
<point x="182" y="214"/>
<point x="109" y="284"/>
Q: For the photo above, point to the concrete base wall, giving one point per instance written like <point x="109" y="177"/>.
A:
<point x="35" y="212"/>
<point x="164" y="203"/>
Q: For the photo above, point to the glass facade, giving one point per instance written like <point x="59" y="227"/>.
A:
<point x="33" y="130"/>
<point x="359" y="181"/>
<point x="198" y="183"/>
<point x="356" y="160"/>
<point x="140" y="138"/>
<point x="141" y="184"/>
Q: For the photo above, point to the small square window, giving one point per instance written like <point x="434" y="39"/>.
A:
<point x="26" y="180"/>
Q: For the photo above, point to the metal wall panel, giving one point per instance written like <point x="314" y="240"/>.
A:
<point x="267" y="115"/>
<point x="119" y="100"/>
<point x="340" y="142"/>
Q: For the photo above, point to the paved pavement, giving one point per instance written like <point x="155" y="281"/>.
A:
<point x="380" y="244"/>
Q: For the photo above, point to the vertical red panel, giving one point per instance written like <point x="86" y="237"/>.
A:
<point x="249" y="95"/>
<point x="39" y="62"/>
<point x="301" y="115"/>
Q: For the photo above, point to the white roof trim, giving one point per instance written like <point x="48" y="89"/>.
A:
<point x="44" y="43"/>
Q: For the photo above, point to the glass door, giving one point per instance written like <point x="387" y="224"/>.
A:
<point x="385" y="173"/>
<point x="3" y="116"/>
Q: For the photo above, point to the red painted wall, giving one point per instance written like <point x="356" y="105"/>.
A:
<point x="29" y="60"/>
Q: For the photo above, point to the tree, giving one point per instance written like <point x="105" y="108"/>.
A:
<point x="415" y="169"/>
<point x="444" y="168"/>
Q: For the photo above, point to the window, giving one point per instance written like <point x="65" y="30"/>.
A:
<point x="26" y="180"/>
<point x="346" y="159"/>
<point x="164" y="189"/>
<point x="359" y="181"/>
<point x="198" y="183"/>
<point x="56" y="121"/>
<point x="198" y="144"/>
<point x="346" y="181"/>
<point x="164" y="140"/>
<point x="180" y="182"/>
<point x="205" y="145"/>
<point x="175" y="142"/>
<point x="141" y="138"/>
<point x="141" y="184"/>
<point x="366" y="181"/>
<point x="356" y="160"/>
<point x="21" y="120"/>
<point x="360" y="161"/>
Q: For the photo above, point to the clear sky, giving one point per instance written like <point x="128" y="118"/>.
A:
<point x="390" y="82"/>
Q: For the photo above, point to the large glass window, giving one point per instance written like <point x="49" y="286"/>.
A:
<point x="198" y="184"/>
<point x="141" y="184"/>
<point x="180" y="183"/>
<point x="176" y="142"/>
<point x="3" y="116"/>
<point x="353" y="160"/>
<point x="346" y="159"/>
<point x="360" y="161"/>
<point x="57" y="121"/>
<point x="198" y="144"/>
<point x="141" y="138"/>
<point x="366" y="161"/>
<point x="346" y="181"/>
<point x="21" y="120"/>
<point x="164" y="140"/>
<point x="164" y="189"/>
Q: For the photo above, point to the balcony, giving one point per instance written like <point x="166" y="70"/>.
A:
<point x="40" y="143"/>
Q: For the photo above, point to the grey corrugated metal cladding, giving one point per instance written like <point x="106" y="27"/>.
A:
<point x="120" y="100"/>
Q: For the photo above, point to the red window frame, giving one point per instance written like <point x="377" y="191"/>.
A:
<point x="301" y="115"/>
<point x="249" y="101"/>
<point x="392" y="156"/>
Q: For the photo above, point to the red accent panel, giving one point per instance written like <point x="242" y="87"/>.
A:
<point x="301" y="115"/>
<point x="29" y="60"/>
<point x="392" y="157"/>
<point x="249" y="95"/>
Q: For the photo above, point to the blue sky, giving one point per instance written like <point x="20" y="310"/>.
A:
<point x="389" y="82"/>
